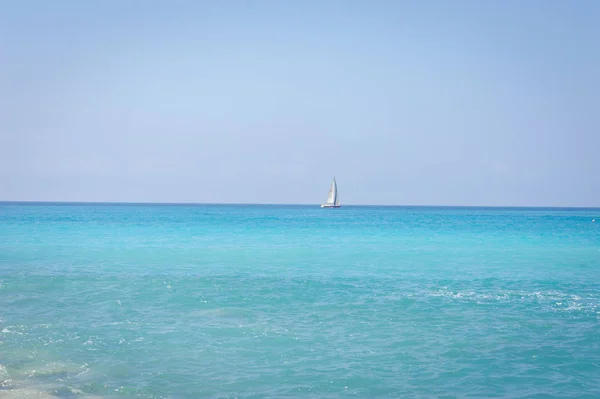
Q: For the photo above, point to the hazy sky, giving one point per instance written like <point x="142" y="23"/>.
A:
<point x="405" y="102"/>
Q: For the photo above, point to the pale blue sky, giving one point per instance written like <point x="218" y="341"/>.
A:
<point x="420" y="102"/>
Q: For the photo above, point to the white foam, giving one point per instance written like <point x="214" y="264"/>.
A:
<point x="40" y="392"/>
<point x="6" y="330"/>
<point x="25" y="393"/>
<point x="6" y="383"/>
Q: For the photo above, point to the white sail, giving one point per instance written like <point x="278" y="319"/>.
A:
<point x="332" y="193"/>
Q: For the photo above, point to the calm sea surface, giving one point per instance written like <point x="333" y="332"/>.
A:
<point x="215" y="301"/>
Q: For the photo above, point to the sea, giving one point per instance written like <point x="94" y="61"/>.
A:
<point x="274" y="301"/>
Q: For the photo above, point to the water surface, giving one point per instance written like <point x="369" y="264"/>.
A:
<point x="195" y="301"/>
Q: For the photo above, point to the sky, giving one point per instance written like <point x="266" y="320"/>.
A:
<point x="492" y="103"/>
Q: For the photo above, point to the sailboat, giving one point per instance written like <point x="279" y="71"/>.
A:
<point x="333" y="197"/>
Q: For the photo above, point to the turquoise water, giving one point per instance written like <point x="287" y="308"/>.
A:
<point x="210" y="301"/>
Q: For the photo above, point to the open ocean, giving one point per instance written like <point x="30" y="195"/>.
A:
<point x="217" y="301"/>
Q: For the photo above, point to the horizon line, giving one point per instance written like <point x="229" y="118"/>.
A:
<point x="288" y="204"/>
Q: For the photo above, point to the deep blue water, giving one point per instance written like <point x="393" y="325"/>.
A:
<point x="208" y="301"/>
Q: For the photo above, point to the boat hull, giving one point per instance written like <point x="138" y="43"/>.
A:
<point x="330" y="206"/>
